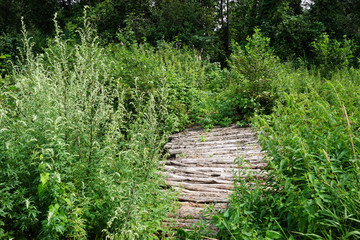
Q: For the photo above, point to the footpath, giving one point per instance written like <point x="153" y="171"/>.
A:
<point x="202" y="166"/>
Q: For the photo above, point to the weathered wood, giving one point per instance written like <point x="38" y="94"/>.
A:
<point x="204" y="198"/>
<point x="211" y="150"/>
<point x="215" y="143"/>
<point x="197" y="139"/>
<point x="203" y="165"/>
<point x="235" y="154"/>
<point x="174" y="177"/>
<point x="209" y="189"/>
<point x="214" y="163"/>
<point x="199" y="185"/>
<point x="208" y="170"/>
<point x="187" y="223"/>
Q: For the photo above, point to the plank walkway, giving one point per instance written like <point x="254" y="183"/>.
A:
<point x="202" y="166"/>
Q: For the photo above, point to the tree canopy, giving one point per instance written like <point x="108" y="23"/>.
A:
<point x="212" y="27"/>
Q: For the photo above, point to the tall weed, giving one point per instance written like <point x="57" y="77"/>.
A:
<point x="76" y="161"/>
<point x="312" y="187"/>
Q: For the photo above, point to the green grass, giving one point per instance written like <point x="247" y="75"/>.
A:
<point x="312" y="142"/>
<point x="82" y="130"/>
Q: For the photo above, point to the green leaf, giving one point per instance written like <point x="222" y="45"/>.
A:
<point x="40" y="190"/>
<point x="226" y="214"/>
<point x="352" y="233"/>
<point x="273" y="234"/>
<point x="3" y="56"/>
<point x="44" y="177"/>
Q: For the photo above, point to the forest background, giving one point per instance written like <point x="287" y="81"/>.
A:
<point x="212" y="27"/>
<point x="90" y="91"/>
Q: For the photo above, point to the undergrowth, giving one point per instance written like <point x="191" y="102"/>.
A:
<point x="312" y="142"/>
<point x="82" y="130"/>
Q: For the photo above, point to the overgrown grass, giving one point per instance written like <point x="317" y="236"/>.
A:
<point x="82" y="129"/>
<point x="312" y="142"/>
<point x="81" y="137"/>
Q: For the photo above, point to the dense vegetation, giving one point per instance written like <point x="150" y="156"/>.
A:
<point x="312" y="140"/>
<point x="212" y="27"/>
<point x="88" y="102"/>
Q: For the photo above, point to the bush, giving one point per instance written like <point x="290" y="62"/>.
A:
<point x="312" y="187"/>
<point x="253" y="70"/>
<point x="74" y="162"/>
<point x="332" y="55"/>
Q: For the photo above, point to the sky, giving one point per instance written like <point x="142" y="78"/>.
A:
<point x="306" y="4"/>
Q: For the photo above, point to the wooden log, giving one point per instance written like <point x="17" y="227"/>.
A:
<point x="186" y="188"/>
<point x="214" y="164"/>
<point x="253" y="157"/>
<point x="216" y="143"/>
<point x="194" y="186"/>
<point x="209" y="138"/>
<point x="204" y="176"/>
<point x="203" y="166"/>
<point x="204" y="197"/>
<point x="213" y="150"/>
<point x="178" y="178"/>
<point x="233" y="154"/>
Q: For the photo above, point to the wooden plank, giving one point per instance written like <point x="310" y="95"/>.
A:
<point x="186" y="188"/>
<point x="203" y="199"/>
<point x="203" y="177"/>
<point x="218" y="134"/>
<point x="212" y="150"/>
<point x="237" y="136"/>
<point x="216" y="143"/>
<point x="199" y="185"/>
<point x="202" y="166"/>
<point x="216" y="164"/>
<point x="226" y="163"/>
<point x="234" y="154"/>
<point x="187" y="223"/>
<point x="178" y="178"/>
<point x="215" y="130"/>
<point x="255" y="157"/>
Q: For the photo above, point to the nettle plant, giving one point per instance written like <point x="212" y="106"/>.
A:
<point x="72" y="165"/>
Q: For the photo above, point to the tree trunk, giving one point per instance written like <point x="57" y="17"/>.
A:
<point x="227" y="32"/>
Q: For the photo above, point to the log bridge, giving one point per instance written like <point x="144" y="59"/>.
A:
<point x="202" y="166"/>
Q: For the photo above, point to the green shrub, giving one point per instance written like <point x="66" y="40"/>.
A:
<point x="332" y="55"/>
<point x="312" y="187"/>
<point x="253" y="70"/>
<point x="142" y="70"/>
<point x="74" y="162"/>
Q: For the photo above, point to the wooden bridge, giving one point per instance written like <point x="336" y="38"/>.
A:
<point x="202" y="165"/>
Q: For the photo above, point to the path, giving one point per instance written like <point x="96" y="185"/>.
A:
<point x="202" y="166"/>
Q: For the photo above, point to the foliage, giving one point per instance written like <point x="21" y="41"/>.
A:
<point x="209" y="26"/>
<point x="38" y="15"/>
<point x="293" y="37"/>
<point x="332" y="54"/>
<point x="4" y="68"/>
<point x="75" y="163"/>
<point x="236" y="95"/>
<point x="176" y="77"/>
<point x="339" y="17"/>
<point x="83" y="121"/>
<point x="253" y="69"/>
<point x="312" y="188"/>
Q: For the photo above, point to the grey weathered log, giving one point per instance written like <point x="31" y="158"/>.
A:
<point x="203" y="165"/>
<point x="200" y="185"/>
